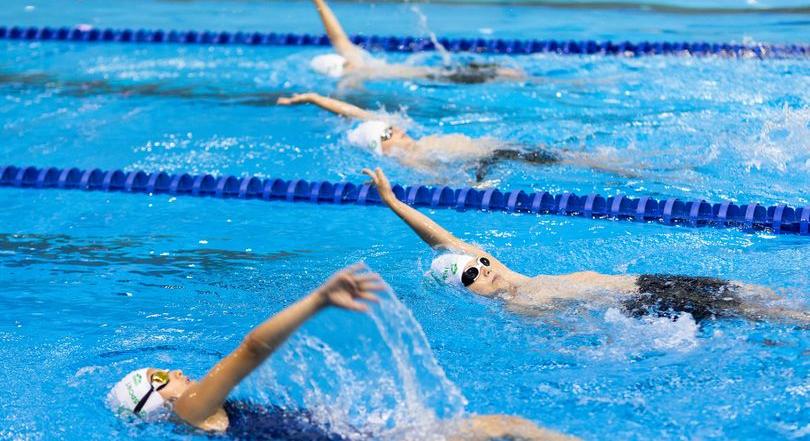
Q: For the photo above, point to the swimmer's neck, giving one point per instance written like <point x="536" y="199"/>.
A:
<point x="404" y="146"/>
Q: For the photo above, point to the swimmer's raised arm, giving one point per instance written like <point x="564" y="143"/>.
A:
<point x="345" y="289"/>
<point x="330" y="104"/>
<point x="432" y="233"/>
<point x="340" y="42"/>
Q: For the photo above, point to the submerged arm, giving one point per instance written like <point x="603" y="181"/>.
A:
<point x="330" y="104"/>
<point x="432" y="233"/>
<point x="340" y="42"/>
<point x="204" y="399"/>
<point x="492" y="427"/>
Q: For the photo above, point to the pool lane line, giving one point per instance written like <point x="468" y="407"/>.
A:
<point x="780" y="219"/>
<point x="406" y="44"/>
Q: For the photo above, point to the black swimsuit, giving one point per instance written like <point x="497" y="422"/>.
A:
<point x="250" y="421"/>
<point x="538" y="157"/>
<point x="472" y="73"/>
<point x="668" y="296"/>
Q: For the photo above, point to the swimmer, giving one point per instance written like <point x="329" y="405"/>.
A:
<point x="429" y="152"/>
<point x="466" y="266"/>
<point x="353" y="62"/>
<point x="150" y="392"/>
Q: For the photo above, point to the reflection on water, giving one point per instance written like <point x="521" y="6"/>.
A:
<point x="85" y="254"/>
<point x="80" y="89"/>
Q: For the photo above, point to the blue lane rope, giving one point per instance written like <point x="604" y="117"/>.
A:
<point x="778" y="218"/>
<point x="407" y="44"/>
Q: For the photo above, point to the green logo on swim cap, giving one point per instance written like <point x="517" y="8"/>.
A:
<point x="453" y="268"/>
<point x="137" y="378"/>
<point x="132" y="395"/>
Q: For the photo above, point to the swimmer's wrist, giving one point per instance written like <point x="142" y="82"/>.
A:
<point x="319" y="299"/>
<point x="387" y="196"/>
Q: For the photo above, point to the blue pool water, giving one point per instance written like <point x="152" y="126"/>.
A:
<point x="97" y="284"/>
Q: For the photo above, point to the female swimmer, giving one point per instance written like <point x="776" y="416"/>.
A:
<point x="468" y="266"/>
<point x="204" y="405"/>
<point x="351" y="61"/>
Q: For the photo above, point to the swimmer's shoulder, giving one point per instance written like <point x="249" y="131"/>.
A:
<point x="216" y="423"/>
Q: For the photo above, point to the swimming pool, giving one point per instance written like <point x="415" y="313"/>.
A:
<point x="96" y="284"/>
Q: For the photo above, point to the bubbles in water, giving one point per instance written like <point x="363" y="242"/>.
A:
<point x="388" y="383"/>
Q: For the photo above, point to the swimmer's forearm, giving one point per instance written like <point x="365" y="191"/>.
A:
<point x="206" y="397"/>
<point x="341" y="107"/>
<point x="337" y="36"/>
<point x="268" y="336"/>
<point x="431" y="232"/>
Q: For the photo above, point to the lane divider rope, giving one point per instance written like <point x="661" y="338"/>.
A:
<point x="672" y="211"/>
<point x="407" y="44"/>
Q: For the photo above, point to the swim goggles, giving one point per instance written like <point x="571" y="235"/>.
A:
<point x="158" y="380"/>
<point x="387" y="134"/>
<point x="470" y="274"/>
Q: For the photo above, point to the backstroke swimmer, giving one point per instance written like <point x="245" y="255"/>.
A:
<point x="150" y="392"/>
<point x="426" y="153"/>
<point x="356" y="64"/>
<point x="466" y="265"/>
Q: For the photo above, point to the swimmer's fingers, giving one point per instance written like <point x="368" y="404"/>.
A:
<point x="368" y="292"/>
<point x="297" y="98"/>
<point x="383" y="186"/>
<point x="347" y="302"/>
<point x="368" y="296"/>
<point x="373" y="286"/>
<point x="368" y="284"/>
<point x="382" y="180"/>
<point x="367" y="276"/>
<point x="357" y="268"/>
<point x="369" y="173"/>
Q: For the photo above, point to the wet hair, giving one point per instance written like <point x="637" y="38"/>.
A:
<point x="670" y="296"/>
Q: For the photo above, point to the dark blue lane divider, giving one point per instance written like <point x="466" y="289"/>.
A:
<point x="779" y="218"/>
<point x="407" y="44"/>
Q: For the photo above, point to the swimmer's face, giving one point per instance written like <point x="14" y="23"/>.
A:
<point x="398" y="138"/>
<point x="490" y="281"/>
<point x="178" y="383"/>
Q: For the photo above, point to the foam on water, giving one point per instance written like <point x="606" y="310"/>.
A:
<point x="628" y="338"/>
<point x="783" y="142"/>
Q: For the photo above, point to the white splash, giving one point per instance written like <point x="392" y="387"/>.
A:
<point x="423" y="27"/>
<point x="783" y="142"/>
<point x="633" y="337"/>
<point x="389" y="384"/>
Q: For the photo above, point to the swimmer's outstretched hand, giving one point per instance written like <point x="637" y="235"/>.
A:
<point x="381" y="181"/>
<point x="347" y="287"/>
<point x="297" y="98"/>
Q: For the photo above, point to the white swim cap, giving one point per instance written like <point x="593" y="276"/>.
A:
<point x="127" y="393"/>
<point x="330" y="65"/>
<point x="368" y="135"/>
<point x="448" y="267"/>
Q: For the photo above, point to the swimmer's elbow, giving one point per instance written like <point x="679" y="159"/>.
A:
<point x="254" y="348"/>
